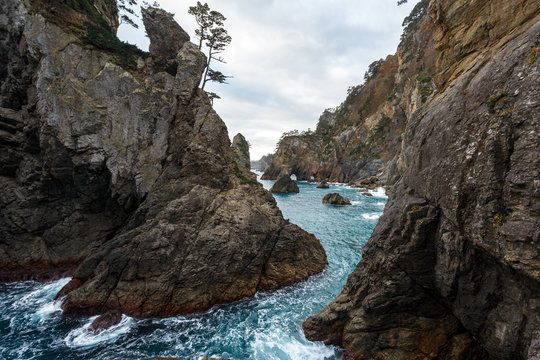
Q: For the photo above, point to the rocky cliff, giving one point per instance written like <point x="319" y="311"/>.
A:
<point x="115" y="169"/>
<point x="452" y="269"/>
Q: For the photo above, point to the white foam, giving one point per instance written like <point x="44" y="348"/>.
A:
<point x="82" y="337"/>
<point x="47" y="310"/>
<point x="379" y="192"/>
<point x="380" y="204"/>
<point x="275" y="345"/>
<point x="44" y="292"/>
<point x="371" y="216"/>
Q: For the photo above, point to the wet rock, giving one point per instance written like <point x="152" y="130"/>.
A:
<point x="105" y="321"/>
<point x="365" y="193"/>
<point x="285" y="185"/>
<point x="335" y="199"/>
<point x="323" y="185"/>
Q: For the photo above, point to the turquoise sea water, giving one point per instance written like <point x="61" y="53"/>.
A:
<point x="266" y="327"/>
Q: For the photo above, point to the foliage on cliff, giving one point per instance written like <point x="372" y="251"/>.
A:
<point x="94" y="22"/>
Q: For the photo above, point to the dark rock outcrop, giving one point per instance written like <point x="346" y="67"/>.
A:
<point x="105" y="321"/>
<point x="285" y="185"/>
<point x="452" y="268"/>
<point x="335" y="199"/>
<point x="323" y="185"/>
<point x="125" y="179"/>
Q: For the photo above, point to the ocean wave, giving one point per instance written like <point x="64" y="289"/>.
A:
<point x="371" y="216"/>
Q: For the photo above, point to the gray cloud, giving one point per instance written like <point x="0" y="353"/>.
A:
<point x="291" y="59"/>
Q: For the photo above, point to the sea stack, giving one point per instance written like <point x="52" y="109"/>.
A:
<point x="285" y="185"/>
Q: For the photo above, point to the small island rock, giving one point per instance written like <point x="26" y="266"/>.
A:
<point x="335" y="199"/>
<point x="323" y="185"/>
<point x="285" y="185"/>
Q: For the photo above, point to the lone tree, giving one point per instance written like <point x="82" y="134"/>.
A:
<point x="213" y="35"/>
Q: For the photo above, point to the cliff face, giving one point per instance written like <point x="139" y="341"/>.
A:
<point x="452" y="268"/>
<point x="352" y="142"/>
<point x="126" y="179"/>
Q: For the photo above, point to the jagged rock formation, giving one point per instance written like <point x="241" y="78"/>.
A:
<point x="285" y="185"/>
<point x="335" y="199"/>
<point x="453" y="265"/>
<point x="263" y="163"/>
<point x="123" y="176"/>
<point x="240" y="147"/>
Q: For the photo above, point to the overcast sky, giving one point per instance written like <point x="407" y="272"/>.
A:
<point x="290" y="59"/>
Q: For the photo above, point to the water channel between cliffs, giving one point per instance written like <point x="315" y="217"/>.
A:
<point x="266" y="327"/>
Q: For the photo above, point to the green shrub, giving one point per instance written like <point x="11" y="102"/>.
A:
<point x="494" y="99"/>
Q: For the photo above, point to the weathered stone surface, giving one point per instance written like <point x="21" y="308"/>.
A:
<point x="335" y="199"/>
<point x="166" y="38"/>
<point x="454" y="258"/>
<point x="323" y="185"/>
<point x="105" y="321"/>
<point x="240" y="147"/>
<point x="126" y="181"/>
<point x="285" y="185"/>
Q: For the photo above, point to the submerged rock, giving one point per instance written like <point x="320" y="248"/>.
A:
<point x="323" y="185"/>
<point x="105" y="321"/>
<point x="335" y="199"/>
<point x="126" y="180"/>
<point x="285" y="185"/>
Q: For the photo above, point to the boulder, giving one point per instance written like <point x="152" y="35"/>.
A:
<point x="285" y="185"/>
<point x="365" y="193"/>
<point x="335" y="199"/>
<point x="323" y="185"/>
<point x="105" y="321"/>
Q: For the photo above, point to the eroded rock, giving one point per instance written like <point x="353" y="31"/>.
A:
<point x="285" y="185"/>
<point x="323" y="185"/>
<point x="335" y="199"/>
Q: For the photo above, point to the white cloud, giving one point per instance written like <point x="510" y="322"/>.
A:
<point x="291" y="59"/>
